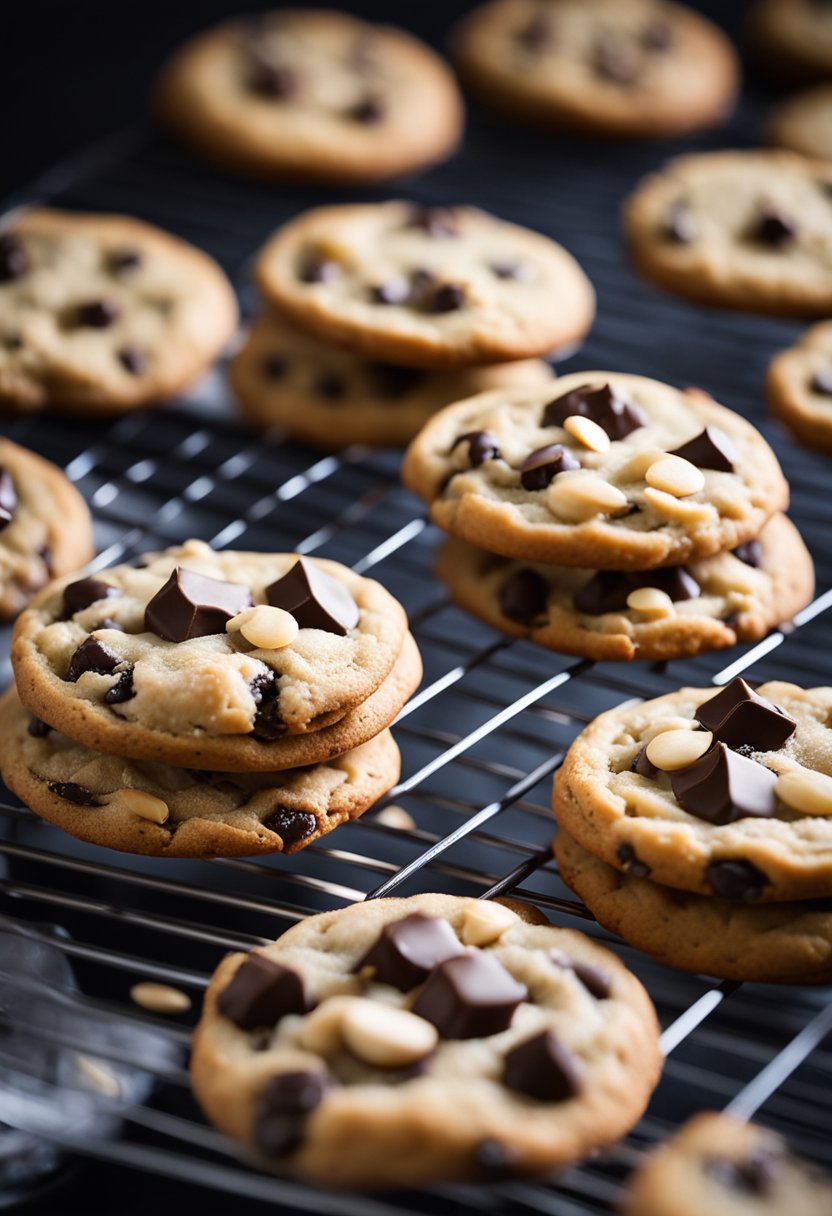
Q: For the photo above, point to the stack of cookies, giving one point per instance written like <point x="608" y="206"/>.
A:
<point x="378" y="315"/>
<point x="574" y="506"/>
<point x="698" y="826"/>
<point x="199" y="704"/>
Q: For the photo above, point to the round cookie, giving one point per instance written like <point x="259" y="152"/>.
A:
<point x="461" y="1040"/>
<point x="786" y="943"/>
<point x="749" y="230"/>
<point x="799" y="387"/>
<point x="719" y="601"/>
<point x="792" y="39"/>
<point x="610" y="67"/>
<point x="434" y="287"/>
<point x="162" y="811"/>
<point x="101" y="314"/>
<point x="716" y="1165"/>
<point x="320" y="96"/>
<point x="45" y="526"/>
<point x="740" y="805"/>
<point x="804" y="122"/>
<point x="332" y="398"/>
<point x="576" y="474"/>
<point x="152" y="672"/>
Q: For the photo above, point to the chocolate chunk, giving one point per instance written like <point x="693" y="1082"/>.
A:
<point x="282" y="1107"/>
<point x="8" y="497"/>
<point x="679" y="224"/>
<point x="408" y="949"/>
<point x="72" y="792"/>
<point x="821" y="382"/>
<point x="315" y="599"/>
<point x="723" y="786"/>
<point x="315" y="268"/>
<point x="192" y="605"/>
<point x="543" y="1068"/>
<point x="594" y="979"/>
<point x="370" y="111"/>
<point x="435" y="221"/>
<point x="541" y="465"/>
<point x="86" y="591"/>
<point x="737" y="880"/>
<point x="738" y="715"/>
<point x="91" y="655"/>
<point x="482" y="446"/>
<point x="754" y="1176"/>
<point x="394" y="291"/>
<point x="388" y="380"/>
<point x="125" y="260"/>
<point x="291" y="825"/>
<point x="37" y="728"/>
<point x="122" y="690"/>
<point x="97" y="314"/>
<point x="331" y="386"/>
<point x="710" y="449"/>
<point x="274" y="80"/>
<point x="14" y="260"/>
<point x="628" y="858"/>
<point x="261" y="992"/>
<point x="619" y="418"/>
<point x="658" y="35"/>
<point x="274" y="366"/>
<point x="751" y="552"/>
<point x="607" y="590"/>
<point x="471" y="996"/>
<point x="524" y="597"/>
<point x="268" y="724"/>
<point x="773" y="227"/>
<point x="133" y="359"/>
<point x="448" y="298"/>
<point x="643" y="766"/>
<point x="615" y="61"/>
<point x="537" y="33"/>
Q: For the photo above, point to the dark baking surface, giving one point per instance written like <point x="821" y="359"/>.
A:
<point x="79" y="73"/>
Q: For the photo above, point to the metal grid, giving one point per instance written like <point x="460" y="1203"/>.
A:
<point x="482" y="738"/>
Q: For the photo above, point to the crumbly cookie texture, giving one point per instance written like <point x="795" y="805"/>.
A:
<point x="719" y="601"/>
<point x="749" y="230"/>
<point x="785" y="943"/>
<point x="434" y="287"/>
<point x="792" y="39"/>
<point x="45" y="526"/>
<point x="612" y="67"/>
<point x="520" y="473"/>
<point x="722" y="792"/>
<point x="103" y="313"/>
<point x="716" y="1165"/>
<point x="803" y="122"/>
<point x="799" y="387"/>
<point x="464" y="1041"/>
<point x="103" y="662"/>
<point x="320" y="96"/>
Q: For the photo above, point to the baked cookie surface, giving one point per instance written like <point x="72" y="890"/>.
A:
<point x="314" y="95"/>
<point x="799" y="387"/>
<point x="721" y="792"/>
<point x="804" y="122"/>
<point x="331" y="398"/>
<point x="103" y="313"/>
<point x="434" y="287"/>
<point x="601" y="470"/>
<point x="455" y="1034"/>
<point x="610" y="67"/>
<point x="748" y="230"/>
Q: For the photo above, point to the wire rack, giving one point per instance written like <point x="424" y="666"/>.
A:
<point x="482" y="738"/>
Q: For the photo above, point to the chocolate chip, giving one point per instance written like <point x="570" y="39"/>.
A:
<point x="388" y="380"/>
<point x="192" y="605"/>
<point x="331" y="386"/>
<point x="291" y="825"/>
<point x="616" y="62"/>
<point x="773" y="227"/>
<point x="315" y="268"/>
<point x="537" y="33"/>
<point x="679" y="224"/>
<point x="471" y="996"/>
<point x="710" y="449"/>
<point x="482" y="446"/>
<point x="435" y="221"/>
<point x="370" y="111"/>
<point x="72" y="792"/>
<point x="261" y="992"/>
<point x="524" y="597"/>
<point x="97" y="314"/>
<point x="541" y="465"/>
<point x="821" y="382"/>
<point x="8" y="497"/>
<point x="543" y="1068"/>
<point x="133" y="359"/>
<point x="394" y="291"/>
<point x="37" y="728"/>
<point x="736" y="880"/>
<point x="619" y="418"/>
<point x="723" y="786"/>
<point x="643" y="766"/>
<point x="274" y="366"/>
<point x="738" y="715"/>
<point x="408" y="949"/>
<point x="125" y="260"/>
<point x="274" y="80"/>
<point x="14" y="260"/>
<point x="268" y="724"/>
<point x="282" y="1107"/>
<point x="79" y="595"/>
<point x="315" y="599"/>
<point x="607" y="590"/>
<point x="91" y="655"/>
<point x="628" y="858"/>
<point x="751" y="552"/>
<point x="122" y="690"/>
<point x="658" y="35"/>
<point x="594" y="979"/>
<point x="448" y="298"/>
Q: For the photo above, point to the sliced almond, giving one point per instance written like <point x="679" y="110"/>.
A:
<point x="651" y="603"/>
<point x="588" y="433"/>
<point x="675" y="749"/>
<point x="160" y="998"/>
<point x="140" y="803"/>
<point x="386" y="1037"/>
<point x="266" y="627"/>
<point x="675" y="475"/>
<point x="805" y="791"/>
<point x="578" y="496"/>
<point x="483" y="922"/>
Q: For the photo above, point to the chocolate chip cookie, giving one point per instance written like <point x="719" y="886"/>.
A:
<point x="601" y="470"/>
<point x="804" y="122"/>
<point x="331" y="398"/>
<point x="749" y="230"/>
<point x="45" y="526"/>
<point x="716" y="1165"/>
<point x="792" y="39"/>
<point x="799" y="387"/>
<point x="725" y="792"/>
<point x="314" y="95"/>
<point x="610" y="67"/>
<point x="102" y="313"/>
<point x="670" y="613"/>
<point x="207" y="659"/>
<point x="434" y="287"/>
<point x="464" y="1041"/>
<point x="785" y="943"/>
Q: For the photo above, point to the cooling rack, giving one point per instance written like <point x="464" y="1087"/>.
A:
<point x="480" y="740"/>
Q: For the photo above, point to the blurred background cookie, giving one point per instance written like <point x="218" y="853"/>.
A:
<point x="804" y="122"/>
